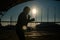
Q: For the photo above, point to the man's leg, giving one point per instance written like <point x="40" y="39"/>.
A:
<point x="20" y="34"/>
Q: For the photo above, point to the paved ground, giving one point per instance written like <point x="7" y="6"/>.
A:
<point x="11" y="35"/>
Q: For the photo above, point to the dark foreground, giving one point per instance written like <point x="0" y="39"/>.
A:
<point x="42" y="32"/>
<point x="11" y="35"/>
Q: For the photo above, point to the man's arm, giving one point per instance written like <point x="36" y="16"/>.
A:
<point x="30" y="20"/>
<point x="29" y="17"/>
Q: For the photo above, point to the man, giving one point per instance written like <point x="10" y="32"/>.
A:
<point x="23" y="19"/>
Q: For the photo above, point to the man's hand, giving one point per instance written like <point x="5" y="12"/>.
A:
<point x="33" y="19"/>
<point x="30" y="20"/>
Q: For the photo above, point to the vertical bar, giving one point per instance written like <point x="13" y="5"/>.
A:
<point x="55" y="14"/>
<point x="41" y="14"/>
<point x="36" y="17"/>
<point x="47" y="14"/>
<point x="11" y="20"/>
<point x="0" y="18"/>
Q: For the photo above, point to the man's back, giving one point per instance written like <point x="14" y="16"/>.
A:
<point x="22" y="19"/>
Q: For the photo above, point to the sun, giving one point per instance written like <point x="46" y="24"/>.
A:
<point x="34" y="11"/>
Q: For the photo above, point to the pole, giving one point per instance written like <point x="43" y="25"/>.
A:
<point x="54" y="14"/>
<point x="0" y="18"/>
<point x="41" y="14"/>
<point x="47" y="14"/>
<point x="10" y="20"/>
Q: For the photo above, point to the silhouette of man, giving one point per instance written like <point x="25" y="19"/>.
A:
<point x="23" y="19"/>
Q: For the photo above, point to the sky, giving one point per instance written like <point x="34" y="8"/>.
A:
<point x="43" y="7"/>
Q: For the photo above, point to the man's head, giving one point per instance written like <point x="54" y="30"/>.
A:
<point x="26" y="9"/>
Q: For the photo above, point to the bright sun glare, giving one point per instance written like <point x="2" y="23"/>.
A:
<point x="34" y="11"/>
